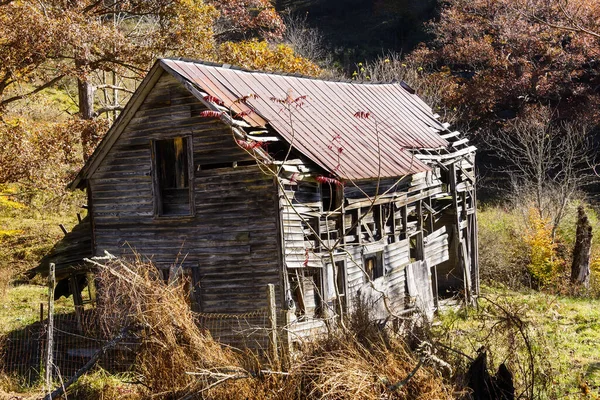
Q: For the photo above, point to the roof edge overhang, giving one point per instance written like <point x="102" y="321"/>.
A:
<point x="117" y="127"/>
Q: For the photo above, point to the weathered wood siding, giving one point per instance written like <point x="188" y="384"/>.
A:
<point x="409" y="222"/>
<point x="229" y="248"/>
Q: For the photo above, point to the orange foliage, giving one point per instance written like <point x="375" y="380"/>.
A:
<point x="44" y="155"/>
<point x="506" y="53"/>
<point x="247" y="17"/>
<point x="260" y="55"/>
<point x="544" y="263"/>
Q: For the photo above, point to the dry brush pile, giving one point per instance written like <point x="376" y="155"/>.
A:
<point x="179" y="358"/>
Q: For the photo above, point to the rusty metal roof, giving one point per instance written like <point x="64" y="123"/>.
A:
<point x="379" y="146"/>
<point x="376" y="146"/>
<point x="372" y="147"/>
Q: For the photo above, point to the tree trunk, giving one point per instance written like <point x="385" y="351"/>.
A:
<point x="580" y="269"/>
<point x="85" y="91"/>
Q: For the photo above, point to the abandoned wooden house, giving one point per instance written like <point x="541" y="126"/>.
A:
<point x="325" y="189"/>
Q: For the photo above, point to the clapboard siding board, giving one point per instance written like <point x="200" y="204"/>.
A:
<point x="230" y="239"/>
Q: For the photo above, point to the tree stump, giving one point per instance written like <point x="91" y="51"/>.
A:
<point x="484" y="386"/>
<point x="580" y="269"/>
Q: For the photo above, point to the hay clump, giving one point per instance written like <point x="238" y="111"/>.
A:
<point x="133" y="295"/>
<point x="345" y="366"/>
<point x="178" y="359"/>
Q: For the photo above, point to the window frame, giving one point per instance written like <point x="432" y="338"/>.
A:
<point x="378" y="258"/>
<point x="156" y="185"/>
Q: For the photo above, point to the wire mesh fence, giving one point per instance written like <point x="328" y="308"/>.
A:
<point x="78" y="337"/>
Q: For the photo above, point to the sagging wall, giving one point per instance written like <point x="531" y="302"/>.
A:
<point x="229" y="247"/>
<point x="390" y="244"/>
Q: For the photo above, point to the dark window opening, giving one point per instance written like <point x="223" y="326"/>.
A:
<point x="298" y="297"/>
<point x="318" y="300"/>
<point x="340" y="283"/>
<point x="378" y="217"/>
<point x="373" y="265"/>
<point x="416" y="247"/>
<point x="413" y="249"/>
<point x="329" y="197"/>
<point x="173" y="189"/>
<point x="165" y="274"/>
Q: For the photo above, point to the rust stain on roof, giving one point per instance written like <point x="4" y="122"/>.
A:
<point x="377" y="146"/>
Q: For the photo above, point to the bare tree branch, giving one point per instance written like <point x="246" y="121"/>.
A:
<point x="46" y="85"/>
<point x="114" y="87"/>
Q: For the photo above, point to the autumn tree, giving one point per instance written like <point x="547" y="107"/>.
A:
<point x="547" y="161"/>
<point x="246" y="19"/>
<point x="506" y="54"/>
<point x="48" y="41"/>
<point x="260" y="55"/>
<point x="45" y="42"/>
<point x="96" y="52"/>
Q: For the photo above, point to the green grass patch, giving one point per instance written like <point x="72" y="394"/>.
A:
<point x="26" y="234"/>
<point x="21" y="306"/>
<point x="563" y="334"/>
<point x="103" y="385"/>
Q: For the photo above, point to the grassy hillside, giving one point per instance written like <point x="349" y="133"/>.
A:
<point x="29" y="228"/>
<point x="563" y="335"/>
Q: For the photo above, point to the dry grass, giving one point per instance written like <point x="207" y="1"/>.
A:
<point x="178" y="359"/>
<point x="378" y="370"/>
<point x="134" y="296"/>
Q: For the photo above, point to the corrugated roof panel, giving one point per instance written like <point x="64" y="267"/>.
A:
<point x="326" y="121"/>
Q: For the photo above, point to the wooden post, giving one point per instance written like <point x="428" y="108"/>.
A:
<point x="458" y="241"/>
<point x="50" y="345"/>
<point x="272" y="313"/>
<point x="41" y="342"/>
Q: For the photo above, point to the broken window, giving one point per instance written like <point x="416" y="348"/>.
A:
<point x="373" y="264"/>
<point x="172" y="177"/>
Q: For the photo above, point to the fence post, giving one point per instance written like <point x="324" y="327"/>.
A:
<point x="50" y="345"/>
<point x="41" y="336"/>
<point x="272" y="324"/>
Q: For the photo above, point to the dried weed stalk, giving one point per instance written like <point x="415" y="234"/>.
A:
<point x="133" y="294"/>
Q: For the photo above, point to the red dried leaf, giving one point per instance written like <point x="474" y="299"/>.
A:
<point x="211" y="114"/>
<point x="213" y="99"/>
<point x="245" y="98"/>
<point x="249" y="145"/>
<point x="362" y="114"/>
<point x="306" y="258"/>
<point x="294" y="177"/>
<point x="242" y="114"/>
<point x="331" y="181"/>
<point x="276" y="100"/>
<point x="300" y="99"/>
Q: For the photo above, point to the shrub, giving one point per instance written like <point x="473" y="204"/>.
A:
<point x="544" y="264"/>
<point x="504" y="325"/>
<point x="343" y="365"/>
<point x="133" y="295"/>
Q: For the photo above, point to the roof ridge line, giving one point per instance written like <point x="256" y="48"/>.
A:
<point x="293" y="74"/>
